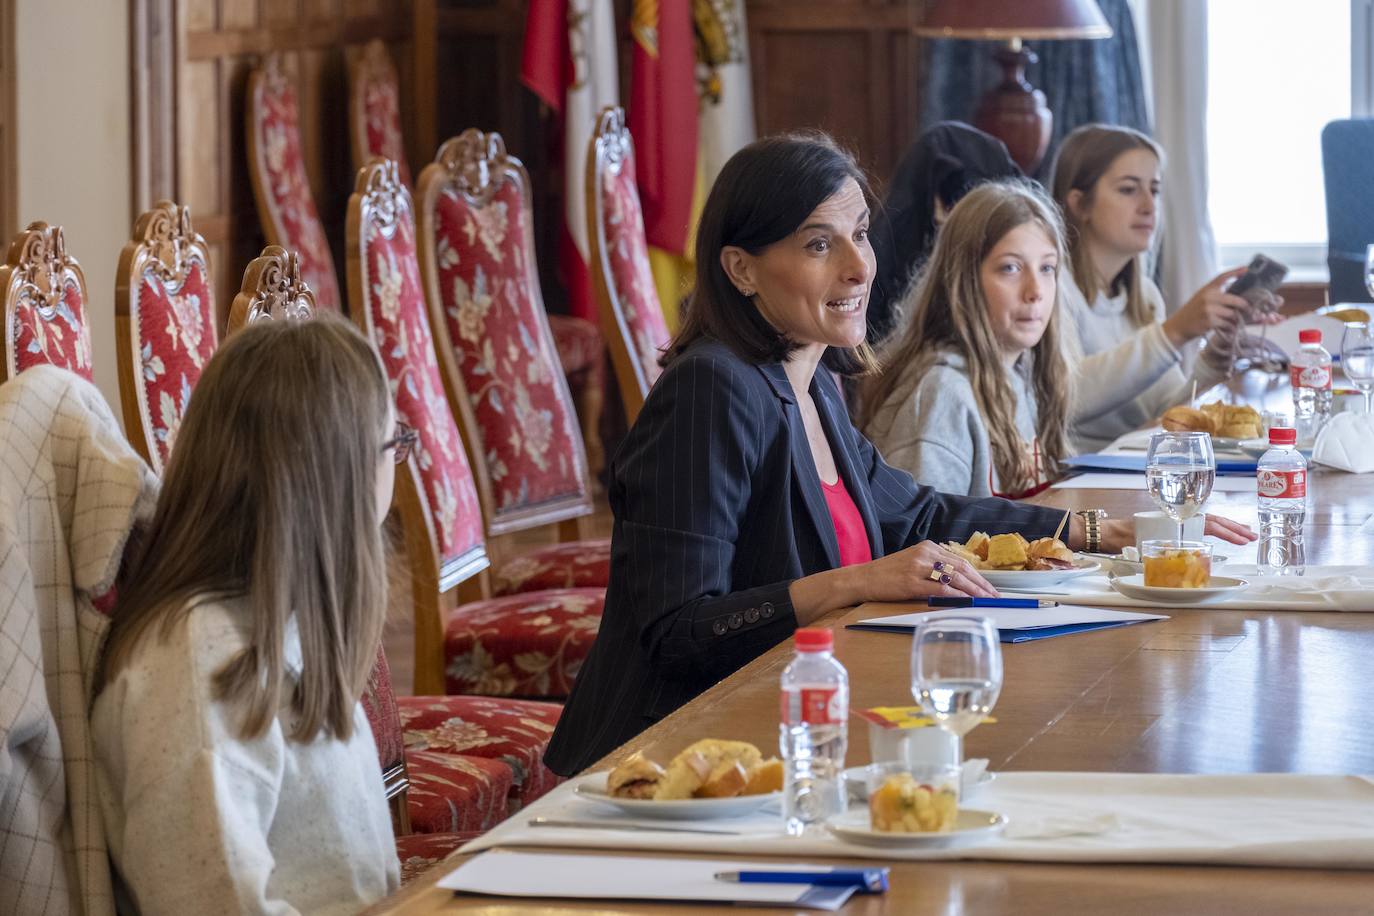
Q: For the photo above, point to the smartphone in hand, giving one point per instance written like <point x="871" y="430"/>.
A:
<point x="1257" y="285"/>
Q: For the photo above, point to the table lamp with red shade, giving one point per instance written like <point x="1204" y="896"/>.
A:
<point x="1014" y="111"/>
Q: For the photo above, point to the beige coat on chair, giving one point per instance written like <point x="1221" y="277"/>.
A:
<point x="71" y="489"/>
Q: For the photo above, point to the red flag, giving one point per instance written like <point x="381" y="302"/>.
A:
<point x="545" y="64"/>
<point x="663" y="118"/>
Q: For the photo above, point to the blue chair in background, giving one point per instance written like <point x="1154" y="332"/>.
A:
<point x="1348" y="168"/>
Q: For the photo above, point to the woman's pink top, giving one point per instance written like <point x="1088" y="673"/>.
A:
<point x="849" y="524"/>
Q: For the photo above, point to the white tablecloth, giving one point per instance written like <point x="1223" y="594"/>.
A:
<point x="1322" y="588"/>
<point x="1253" y="819"/>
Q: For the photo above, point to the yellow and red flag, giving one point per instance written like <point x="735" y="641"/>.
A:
<point x="662" y="117"/>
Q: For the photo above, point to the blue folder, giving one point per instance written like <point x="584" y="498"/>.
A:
<point x="1025" y="634"/>
<point x="1095" y="461"/>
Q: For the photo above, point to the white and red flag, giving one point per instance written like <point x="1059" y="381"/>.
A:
<point x="569" y="61"/>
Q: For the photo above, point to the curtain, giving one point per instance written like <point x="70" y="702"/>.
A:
<point x="1083" y="81"/>
<point x="1177" y="31"/>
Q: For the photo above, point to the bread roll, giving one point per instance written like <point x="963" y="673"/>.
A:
<point x="634" y="777"/>
<point x="764" y="777"/>
<point x="689" y="770"/>
<point x="1051" y="548"/>
<point x="1186" y="419"/>
<point x="725" y="781"/>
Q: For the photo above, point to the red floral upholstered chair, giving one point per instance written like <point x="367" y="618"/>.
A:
<point x="530" y="644"/>
<point x="280" y="185"/>
<point x="45" y="305"/>
<point x="374" y="109"/>
<point x="499" y="361"/>
<point x="375" y="129"/>
<point x="164" y="325"/>
<point x="503" y="766"/>
<point x="631" y="316"/>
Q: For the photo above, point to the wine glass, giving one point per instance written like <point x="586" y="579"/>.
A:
<point x="1180" y="470"/>
<point x="1357" y="358"/>
<point x="956" y="671"/>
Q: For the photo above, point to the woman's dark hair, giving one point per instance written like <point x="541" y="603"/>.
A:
<point x="764" y="193"/>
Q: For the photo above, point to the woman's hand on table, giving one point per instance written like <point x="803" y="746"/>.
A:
<point x="906" y="574"/>
<point x="1120" y="532"/>
<point x="1229" y="530"/>
<point x="901" y="576"/>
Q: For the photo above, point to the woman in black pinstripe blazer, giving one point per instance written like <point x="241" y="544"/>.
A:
<point x="723" y="541"/>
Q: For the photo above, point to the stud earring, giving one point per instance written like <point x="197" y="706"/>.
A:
<point x="746" y="293"/>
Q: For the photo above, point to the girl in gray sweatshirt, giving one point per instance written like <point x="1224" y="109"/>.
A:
<point x="974" y="397"/>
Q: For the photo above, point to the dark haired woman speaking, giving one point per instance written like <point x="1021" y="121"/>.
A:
<point x="746" y="504"/>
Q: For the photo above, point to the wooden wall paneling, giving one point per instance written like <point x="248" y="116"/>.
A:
<point x="470" y="68"/>
<point x="198" y="68"/>
<point x="9" y="162"/>
<point x="844" y="66"/>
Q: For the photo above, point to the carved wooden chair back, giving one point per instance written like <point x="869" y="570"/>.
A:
<point x="374" y="109"/>
<point x="631" y="316"/>
<point x="45" y="319"/>
<point x="281" y="188"/>
<point x="499" y="359"/>
<point x="272" y="290"/>
<point x="164" y="326"/>
<point x="439" y="505"/>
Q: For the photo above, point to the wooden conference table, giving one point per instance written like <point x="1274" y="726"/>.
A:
<point x="1203" y="692"/>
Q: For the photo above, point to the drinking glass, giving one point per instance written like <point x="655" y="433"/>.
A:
<point x="1180" y="470"/>
<point x="956" y="671"/>
<point x="1357" y="359"/>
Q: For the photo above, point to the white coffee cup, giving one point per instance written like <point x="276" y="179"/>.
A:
<point x="1156" y="526"/>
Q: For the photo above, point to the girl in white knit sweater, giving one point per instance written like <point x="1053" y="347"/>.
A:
<point x="1127" y="356"/>
<point x="237" y="768"/>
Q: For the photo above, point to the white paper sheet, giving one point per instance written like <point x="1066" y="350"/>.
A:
<point x="1021" y="618"/>
<point x="1109" y="481"/>
<point x="542" y="874"/>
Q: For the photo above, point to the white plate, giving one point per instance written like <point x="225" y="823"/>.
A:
<point x="1032" y="579"/>
<point x="1217" y="587"/>
<point x="687" y="809"/>
<point x="1256" y="448"/>
<point x="971" y="826"/>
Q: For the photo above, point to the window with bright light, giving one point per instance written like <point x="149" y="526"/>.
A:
<point x="1277" y="72"/>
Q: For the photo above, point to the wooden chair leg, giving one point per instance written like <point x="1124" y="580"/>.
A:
<point x="590" y="398"/>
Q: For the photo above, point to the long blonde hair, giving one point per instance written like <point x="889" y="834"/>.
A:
<point x="1084" y="157"/>
<point x="270" y="494"/>
<point x="949" y="313"/>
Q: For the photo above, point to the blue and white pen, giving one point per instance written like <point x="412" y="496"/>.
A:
<point x="991" y="602"/>
<point x="866" y="880"/>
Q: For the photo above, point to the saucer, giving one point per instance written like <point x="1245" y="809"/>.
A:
<point x="1217" y="587"/>
<point x="971" y="827"/>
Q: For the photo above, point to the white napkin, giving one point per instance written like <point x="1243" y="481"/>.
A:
<point x="1346" y="443"/>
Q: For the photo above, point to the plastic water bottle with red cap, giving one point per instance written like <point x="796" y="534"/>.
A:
<point x="1310" y="372"/>
<point x="814" y="731"/>
<point x="1282" y="485"/>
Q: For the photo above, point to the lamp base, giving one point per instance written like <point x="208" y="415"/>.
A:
<point x="1015" y="112"/>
